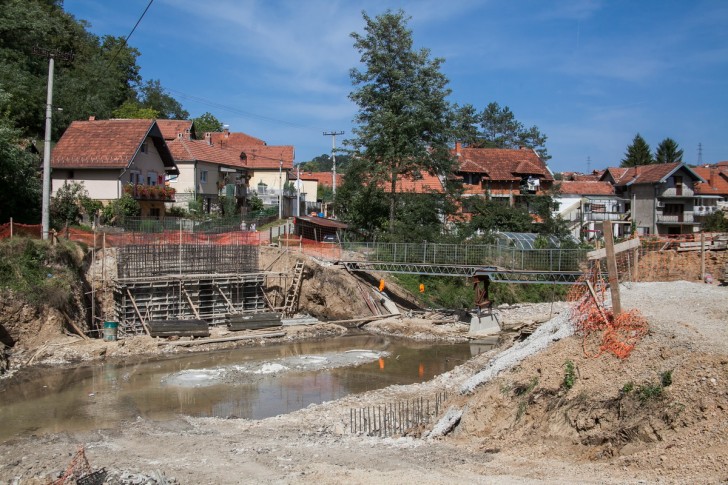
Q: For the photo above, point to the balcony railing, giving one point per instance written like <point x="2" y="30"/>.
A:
<point x="150" y="192"/>
<point x="675" y="218"/>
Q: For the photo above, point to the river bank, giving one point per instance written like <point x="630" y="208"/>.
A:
<point x="518" y="426"/>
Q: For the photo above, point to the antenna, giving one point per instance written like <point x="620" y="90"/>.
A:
<point x="588" y="165"/>
<point x="700" y="154"/>
<point x="333" y="134"/>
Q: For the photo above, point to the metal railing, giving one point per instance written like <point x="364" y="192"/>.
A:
<point x="509" y="258"/>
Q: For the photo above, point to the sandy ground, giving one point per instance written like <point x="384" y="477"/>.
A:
<point x="510" y="432"/>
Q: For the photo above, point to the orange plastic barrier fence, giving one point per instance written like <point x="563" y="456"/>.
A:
<point x="601" y="332"/>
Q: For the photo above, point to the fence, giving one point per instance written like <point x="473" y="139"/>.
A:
<point x="681" y="257"/>
<point x="395" y="418"/>
<point x="509" y="258"/>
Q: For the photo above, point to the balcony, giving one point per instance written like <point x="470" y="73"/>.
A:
<point x="150" y="192"/>
<point x="683" y="218"/>
<point x="705" y="210"/>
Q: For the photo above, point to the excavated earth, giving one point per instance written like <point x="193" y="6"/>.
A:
<point x="620" y="421"/>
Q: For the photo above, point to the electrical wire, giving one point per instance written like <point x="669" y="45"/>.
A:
<point x="236" y="110"/>
<point x="124" y="42"/>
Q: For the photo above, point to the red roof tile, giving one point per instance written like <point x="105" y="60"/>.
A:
<point x="172" y="128"/>
<point x="323" y="178"/>
<point x="502" y="164"/>
<point x="420" y="185"/>
<point x="716" y="180"/>
<point x="590" y="187"/>
<point x="190" y="150"/>
<point x="108" y="144"/>
<point x="227" y="139"/>
<point x="645" y="174"/>
<point x="268" y="157"/>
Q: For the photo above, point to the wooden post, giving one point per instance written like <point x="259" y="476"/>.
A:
<point x="702" y="256"/>
<point x="612" y="268"/>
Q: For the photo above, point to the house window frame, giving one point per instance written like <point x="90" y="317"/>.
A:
<point x="152" y="177"/>
<point x="203" y="176"/>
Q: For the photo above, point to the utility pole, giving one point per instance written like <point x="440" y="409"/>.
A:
<point x="333" y="134"/>
<point x="280" y="189"/>
<point x="298" y="189"/>
<point x="45" y="207"/>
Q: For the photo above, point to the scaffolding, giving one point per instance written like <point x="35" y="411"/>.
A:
<point x="200" y="281"/>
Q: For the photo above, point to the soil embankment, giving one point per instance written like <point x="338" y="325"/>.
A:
<point x="657" y="416"/>
<point x="521" y="426"/>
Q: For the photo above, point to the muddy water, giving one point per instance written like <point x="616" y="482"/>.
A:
<point x="249" y="383"/>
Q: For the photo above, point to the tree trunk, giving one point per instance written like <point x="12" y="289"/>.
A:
<point x="392" y="201"/>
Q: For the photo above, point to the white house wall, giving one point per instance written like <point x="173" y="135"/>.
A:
<point x="100" y="184"/>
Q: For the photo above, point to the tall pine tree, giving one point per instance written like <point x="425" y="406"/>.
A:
<point x="668" y="152"/>
<point x="638" y="153"/>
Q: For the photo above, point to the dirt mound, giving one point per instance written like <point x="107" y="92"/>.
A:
<point x="662" y="407"/>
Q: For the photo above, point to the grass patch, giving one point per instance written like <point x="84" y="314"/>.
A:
<point x="39" y="272"/>
<point x="569" y="375"/>
<point x="648" y="392"/>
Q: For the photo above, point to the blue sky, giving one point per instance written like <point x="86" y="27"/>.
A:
<point x="589" y="74"/>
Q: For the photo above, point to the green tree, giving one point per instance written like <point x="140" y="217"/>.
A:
<point x="404" y="120"/>
<point x="153" y="95"/>
<point x="102" y="74"/>
<point x="20" y="182"/>
<point x="133" y="110"/>
<point x="638" y="153"/>
<point x="668" y="152"/>
<point x="501" y="129"/>
<point x="118" y="210"/>
<point x="205" y="123"/>
<point x="467" y="120"/>
<point x="715" y="222"/>
<point x="489" y="216"/>
<point x="67" y="205"/>
<point x="363" y="206"/>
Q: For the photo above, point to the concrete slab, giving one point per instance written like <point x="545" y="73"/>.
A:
<point x="486" y="324"/>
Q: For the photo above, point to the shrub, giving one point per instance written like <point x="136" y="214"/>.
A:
<point x="666" y="378"/>
<point x="569" y="374"/>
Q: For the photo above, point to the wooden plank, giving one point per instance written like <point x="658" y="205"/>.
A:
<point x="179" y="328"/>
<point x="618" y="248"/>
<point x="136" y="309"/>
<point x="612" y="269"/>
<point x="187" y="343"/>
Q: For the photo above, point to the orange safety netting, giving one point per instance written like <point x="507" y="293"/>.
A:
<point x="600" y="330"/>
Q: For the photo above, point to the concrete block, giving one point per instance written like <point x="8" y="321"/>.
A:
<point x="486" y="324"/>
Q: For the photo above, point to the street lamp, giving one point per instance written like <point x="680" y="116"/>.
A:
<point x="280" y="189"/>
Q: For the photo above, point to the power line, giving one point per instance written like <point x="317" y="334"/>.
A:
<point x="236" y="110"/>
<point x="123" y="43"/>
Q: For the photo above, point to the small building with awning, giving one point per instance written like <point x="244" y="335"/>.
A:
<point x="316" y="228"/>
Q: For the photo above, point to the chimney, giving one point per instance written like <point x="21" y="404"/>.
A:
<point x="92" y="118"/>
<point x="226" y="130"/>
<point x="208" y="138"/>
<point x="713" y="181"/>
<point x="457" y="148"/>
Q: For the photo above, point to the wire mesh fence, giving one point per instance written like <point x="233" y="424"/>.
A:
<point x="510" y="258"/>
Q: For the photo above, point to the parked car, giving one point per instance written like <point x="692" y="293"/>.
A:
<point x="330" y="238"/>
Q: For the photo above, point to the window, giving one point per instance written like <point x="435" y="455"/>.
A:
<point x="154" y="212"/>
<point x="151" y="178"/>
<point x="145" y="147"/>
<point x="135" y="177"/>
<point x="203" y="176"/>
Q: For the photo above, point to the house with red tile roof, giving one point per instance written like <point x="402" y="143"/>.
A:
<point x="271" y="164"/>
<point x="207" y="172"/>
<point x="111" y="156"/>
<point x="172" y="129"/>
<point x="661" y="196"/>
<point x="712" y="195"/>
<point x="587" y="204"/>
<point x="501" y="173"/>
